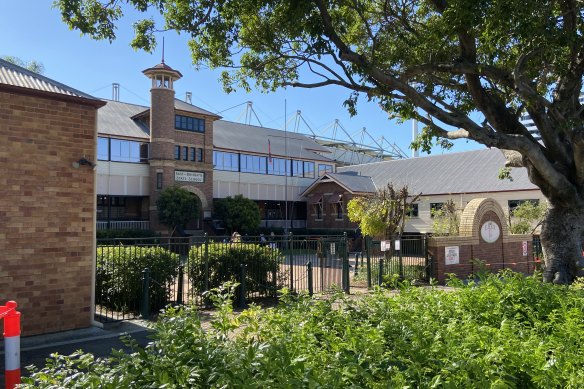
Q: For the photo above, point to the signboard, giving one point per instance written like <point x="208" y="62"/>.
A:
<point x="333" y="249"/>
<point x="525" y="249"/>
<point x="452" y="255"/>
<point x="184" y="176"/>
<point x="397" y="244"/>
<point x="490" y="231"/>
<point x="385" y="245"/>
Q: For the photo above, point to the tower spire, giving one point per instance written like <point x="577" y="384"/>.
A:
<point x="162" y="49"/>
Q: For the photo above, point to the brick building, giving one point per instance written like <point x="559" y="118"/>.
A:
<point x="47" y="200"/>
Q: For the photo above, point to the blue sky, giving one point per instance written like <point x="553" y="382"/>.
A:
<point x="33" y="30"/>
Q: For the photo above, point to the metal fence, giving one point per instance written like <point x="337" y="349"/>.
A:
<point x="382" y="261"/>
<point x="140" y="276"/>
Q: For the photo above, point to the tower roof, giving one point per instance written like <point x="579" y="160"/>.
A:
<point x="162" y="68"/>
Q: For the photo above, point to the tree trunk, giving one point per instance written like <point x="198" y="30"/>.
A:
<point x="561" y="239"/>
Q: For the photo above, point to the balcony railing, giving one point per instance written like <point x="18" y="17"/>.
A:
<point x="123" y="225"/>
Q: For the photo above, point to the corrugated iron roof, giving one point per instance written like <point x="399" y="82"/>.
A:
<point x="354" y="182"/>
<point x="184" y="106"/>
<point x="465" y="172"/>
<point x="115" y="119"/>
<point x="253" y="139"/>
<point x="14" y="75"/>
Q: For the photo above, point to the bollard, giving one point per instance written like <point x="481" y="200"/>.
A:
<point x="11" y="344"/>
<point x="309" y="275"/>
<point x="145" y="309"/>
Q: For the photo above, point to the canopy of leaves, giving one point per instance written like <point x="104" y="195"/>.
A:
<point x="238" y="214"/>
<point x="527" y="217"/>
<point x="383" y="214"/>
<point x="33" y="66"/>
<point x="445" y="220"/>
<point x="176" y="207"/>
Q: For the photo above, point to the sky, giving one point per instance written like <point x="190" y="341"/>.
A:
<point x="33" y="30"/>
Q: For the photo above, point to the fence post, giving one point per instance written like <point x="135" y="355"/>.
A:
<point x="181" y="271"/>
<point x="242" y="286"/>
<point x="145" y="310"/>
<point x="368" y="250"/>
<point x="345" y="257"/>
<point x="401" y="259"/>
<point x="206" y="276"/>
<point x="11" y="344"/>
<point x="291" y="260"/>
<point x="309" y="271"/>
<point x="380" y="276"/>
<point x="356" y="263"/>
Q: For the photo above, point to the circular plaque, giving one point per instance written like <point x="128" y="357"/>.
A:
<point x="490" y="231"/>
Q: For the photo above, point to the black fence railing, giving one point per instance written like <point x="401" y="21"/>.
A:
<point x="141" y="276"/>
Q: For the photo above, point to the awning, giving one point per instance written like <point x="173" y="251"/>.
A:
<point x="335" y="198"/>
<point x="316" y="198"/>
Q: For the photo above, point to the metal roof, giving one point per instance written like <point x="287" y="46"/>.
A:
<point x="115" y="119"/>
<point x="15" y="75"/>
<point x="252" y="139"/>
<point x="465" y="172"/>
<point x="184" y="106"/>
<point x="354" y="182"/>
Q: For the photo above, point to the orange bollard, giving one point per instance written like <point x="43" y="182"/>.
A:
<point x="11" y="344"/>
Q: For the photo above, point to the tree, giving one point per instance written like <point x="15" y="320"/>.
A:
<point x="384" y="213"/>
<point x="33" y="66"/>
<point x="527" y="217"/>
<point x="445" y="220"/>
<point x="238" y="214"/>
<point x="176" y="207"/>
<point x="463" y="68"/>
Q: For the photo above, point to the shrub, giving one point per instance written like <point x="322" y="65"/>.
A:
<point x="125" y="237"/>
<point x="262" y="265"/>
<point x="506" y="331"/>
<point x="119" y="276"/>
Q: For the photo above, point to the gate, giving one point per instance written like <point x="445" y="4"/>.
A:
<point x="137" y="276"/>
<point x="407" y="259"/>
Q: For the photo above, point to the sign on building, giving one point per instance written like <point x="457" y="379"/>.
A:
<point x="452" y="255"/>
<point x="184" y="176"/>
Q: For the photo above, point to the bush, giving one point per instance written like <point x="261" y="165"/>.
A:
<point x="125" y="237"/>
<point x="262" y="265"/>
<point x="506" y="331"/>
<point x="119" y="276"/>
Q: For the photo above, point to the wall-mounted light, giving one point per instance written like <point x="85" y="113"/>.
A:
<point x="84" y="161"/>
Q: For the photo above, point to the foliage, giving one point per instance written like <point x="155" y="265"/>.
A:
<point x="33" y="66"/>
<point x="223" y="263"/>
<point x="176" y="207"/>
<point x="126" y="237"/>
<point x="445" y="220"/>
<point x="506" y="331"/>
<point x="238" y="213"/>
<point x="119" y="276"/>
<point x="462" y="68"/>
<point x="527" y="217"/>
<point x="383" y="214"/>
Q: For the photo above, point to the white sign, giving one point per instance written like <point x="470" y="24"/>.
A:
<point x="385" y="245"/>
<point x="451" y="255"/>
<point x="333" y="249"/>
<point x="397" y="245"/>
<point x="490" y="231"/>
<point x="183" y="176"/>
<point x="525" y="249"/>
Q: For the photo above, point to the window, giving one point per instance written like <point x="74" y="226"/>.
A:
<point x="339" y="210"/>
<point x="435" y="207"/>
<point x="187" y="123"/>
<point x="317" y="209"/>
<point x="309" y="169"/>
<point x="158" y="180"/>
<point x="193" y="154"/>
<point x="185" y="153"/>
<point x="322" y="169"/>
<point x="297" y="168"/>
<point x="120" y="150"/>
<point x="177" y="152"/>
<point x="253" y="164"/>
<point x="513" y="204"/>
<point x="226" y="161"/>
<point x="199" y="155"/>
<point x="103" y="149"/>
<point x="279" y="167"/>
<point x="412" y="211"/>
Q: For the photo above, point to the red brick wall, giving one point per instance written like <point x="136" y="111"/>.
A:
<point x="47" y="211"/>
<point x="329" y="214"/>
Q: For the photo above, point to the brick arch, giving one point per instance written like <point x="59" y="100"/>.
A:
<point x="196" y="191"/>
<point x="473" y="214"/>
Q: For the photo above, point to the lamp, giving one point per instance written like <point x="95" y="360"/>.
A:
<point x="84" y="161"/>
